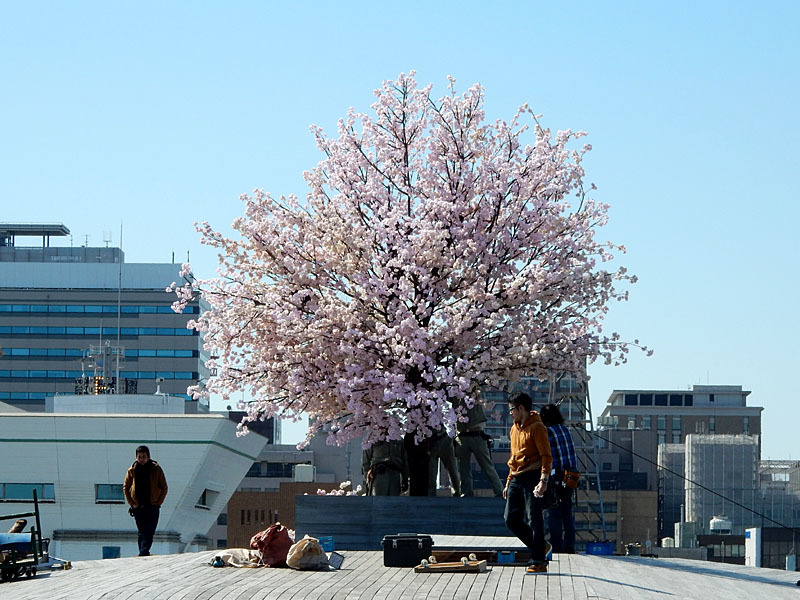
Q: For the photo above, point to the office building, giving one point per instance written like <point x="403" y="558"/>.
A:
<point x="674" y="414"/>
<point x="67" y="314"/>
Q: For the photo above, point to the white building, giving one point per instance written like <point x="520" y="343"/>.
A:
<point x="726" y="466"/>
<point x="77" y="463"/>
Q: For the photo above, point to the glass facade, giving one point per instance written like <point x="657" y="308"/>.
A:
<point x="23" y="492"/>
<point x="75" y="309"/>
<point x="107" y="332"/>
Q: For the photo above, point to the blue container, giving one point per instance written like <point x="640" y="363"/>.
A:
<point x="326" y="542"/>
<point x="505" y="557"/>
<point x="21" y="542"/>
<point x="600" y="548"/>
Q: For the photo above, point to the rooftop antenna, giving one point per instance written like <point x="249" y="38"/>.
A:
<point x="106" y="238"/>
<point x="85" y="240"/>
<point x="119" y="293"/>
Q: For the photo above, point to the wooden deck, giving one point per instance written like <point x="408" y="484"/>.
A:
<point x="363" y="577"/>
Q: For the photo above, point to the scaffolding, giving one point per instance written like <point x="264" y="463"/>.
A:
<point x="728" y="465"/>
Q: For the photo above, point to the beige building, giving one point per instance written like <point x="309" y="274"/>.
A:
<point x="674" y="414"/>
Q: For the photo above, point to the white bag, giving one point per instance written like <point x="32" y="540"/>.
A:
<point x="239" y="557"/>
<point x="307" y="554"/>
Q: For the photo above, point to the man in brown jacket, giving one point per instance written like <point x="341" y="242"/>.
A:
<point x="529" y="472"/>
<point x="145" y="488"/>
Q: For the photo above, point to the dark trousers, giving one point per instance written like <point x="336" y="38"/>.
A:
<point x="561" y="521"/>
<point x="523" y="513"/>
<point x="146" y="522"/>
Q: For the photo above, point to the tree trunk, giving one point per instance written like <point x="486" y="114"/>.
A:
<point x="418" y="456"/>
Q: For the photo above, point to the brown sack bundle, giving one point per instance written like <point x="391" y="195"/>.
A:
<point x="273" y="543"/>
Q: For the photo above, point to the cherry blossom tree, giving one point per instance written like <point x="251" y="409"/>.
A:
<point x="435" y="253"/>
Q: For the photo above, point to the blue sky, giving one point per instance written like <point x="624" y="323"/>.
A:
<point x="155" y="115"/>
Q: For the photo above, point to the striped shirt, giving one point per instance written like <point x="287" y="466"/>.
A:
<point x="561" y="447"/>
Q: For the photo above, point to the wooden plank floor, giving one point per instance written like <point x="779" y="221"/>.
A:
<point x="363" y="577"/>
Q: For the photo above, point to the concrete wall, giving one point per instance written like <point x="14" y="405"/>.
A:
<point x="360" y="522"/>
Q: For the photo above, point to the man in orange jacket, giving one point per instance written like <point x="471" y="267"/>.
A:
<point x="145" y="488"/>
<point x="528" y="475"/>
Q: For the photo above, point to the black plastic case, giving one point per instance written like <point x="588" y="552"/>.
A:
<point x="405" y="549"/>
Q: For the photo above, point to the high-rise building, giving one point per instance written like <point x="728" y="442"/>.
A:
<point x="78" y="320"/>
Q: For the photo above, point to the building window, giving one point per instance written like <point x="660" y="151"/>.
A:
<point x="254" y="471"/>
<point x="279" y="469"/>
<point x="608" y="507"/>
<point x="111" y="552"/>
<point x="660" y="399"/>
<point x="607" y="466"/>
<point x="746" y="425"/>
<point x="661" y="423"/>
<point x="646" y="399"/>
<point x="676" y="423"/>
<point x="676" y="438"/>
<point x="23" y="492"/>
<point x="675" y="399"/>
<point x="206" y="499"/>
<point x="631" y="400"/>
<point x="222" y="544"/>
<point x="108" y="493"/>
<point x="662" y="438"/>
<point x="688" y="400"/>
<point x="222" y="519"/>
<point x="712" y="424"/>
<point x="646" y="422"/>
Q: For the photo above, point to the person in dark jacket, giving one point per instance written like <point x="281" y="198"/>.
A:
<point x="145" y="488"/>
<point x="385" y="468"/>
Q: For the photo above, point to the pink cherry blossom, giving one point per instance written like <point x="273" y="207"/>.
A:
<point x="434" y="253"/>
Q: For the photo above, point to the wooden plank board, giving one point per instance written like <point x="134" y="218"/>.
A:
<point x="470" y="566"/>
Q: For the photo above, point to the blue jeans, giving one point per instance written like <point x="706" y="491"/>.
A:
<point x="561" y="522"/>
<point x="146" y="522"/>
<point x="523" y="513"/>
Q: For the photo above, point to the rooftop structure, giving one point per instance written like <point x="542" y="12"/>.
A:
<point x="77" y="463"/>
<point x="10" y="231"/>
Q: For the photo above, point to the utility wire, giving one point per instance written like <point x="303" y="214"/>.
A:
<point x="700" y="485"/>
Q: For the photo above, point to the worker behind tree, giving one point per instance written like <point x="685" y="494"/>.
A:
<point x="385" y="468"/>
<point x="471" y="440"/>
<point x="443" y="449"/>
<point x="145" y="488"/>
